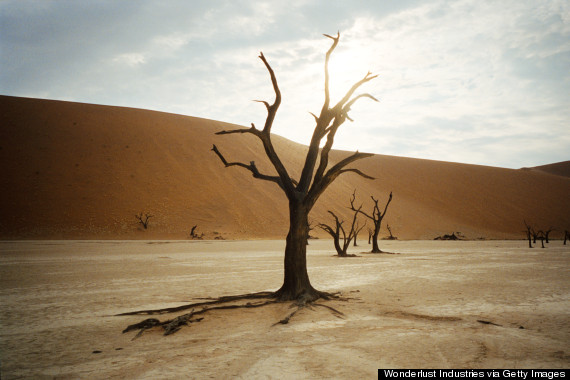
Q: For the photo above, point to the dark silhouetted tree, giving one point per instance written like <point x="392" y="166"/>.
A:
<point x="376" y="216"/>
<point x="316" y="175"/>
<point x="547" y="234"/>
<point x="391" y="237"/>
<point x="338" y="233"/>
<point x="358" y="229"/>
<point x="540" y="235"/>
<point x="529" y="233"/>
<point x="143" y="220"/>
<point x="194" y="235"/>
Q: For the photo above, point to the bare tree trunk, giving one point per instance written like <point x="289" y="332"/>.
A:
<point x="529" y="239"/>
<point x="296" y="283"/>
<point x="375" y="247"/>
<point x="529" y="232"/>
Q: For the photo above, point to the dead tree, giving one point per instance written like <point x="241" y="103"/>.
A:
<point x="391" y="237"/>
<point x="143" y="220"/>
<point x="338" y="233"/>
<point x="529" y="233"/>
<point x="194" y="235"/>
<point x="451" y="236"/>
<point x="358" y="229"/>
<point x="301" y="193"/>
<point x="316" y="175"/>
<point x="535" y="235"/>
<point x="376" y="216"/>
<point x="547" y="233"/>
<point x="540" y="235"/>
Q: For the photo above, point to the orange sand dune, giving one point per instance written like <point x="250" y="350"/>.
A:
<point x="559" y="168"/>
<point x="77" y="171"/>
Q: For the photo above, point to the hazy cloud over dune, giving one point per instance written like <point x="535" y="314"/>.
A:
<point x="473" y="81"/>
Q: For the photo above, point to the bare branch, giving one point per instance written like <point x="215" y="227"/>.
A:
<point x="286" y="182"/>
<point x="264" y="102"/>
<point x="251" y="130"/>
<point x="322" y="121"/>
<point x="358" y="210"/>
<point x="327" y="125"/>
<point x="327" y="228"/>
<point x="283" y="178"/>
<point x="251" y="167"/>
<point x="271" y="109"/>
<point x="387" y="203"/>
<point x="321" y="185"/>
<point x="327" y="77"/>
<point x="368" y="77"/>
<point x="315" y="116"/>
<point x="360" y="173"/>
<point x="348" y="106"/>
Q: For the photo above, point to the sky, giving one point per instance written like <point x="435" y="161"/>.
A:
<point x="483" y="82"/>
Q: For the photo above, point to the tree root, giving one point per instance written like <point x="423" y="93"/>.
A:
<point x="214" y="301"/>
<point x="174" y="325"/>
<point x="382" y="252"/>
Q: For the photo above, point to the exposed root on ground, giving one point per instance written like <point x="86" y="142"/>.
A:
<point x="489" y="323"/>
<point x="382" y="252"/>
<point x="213" y="301"/>
<point x="227" y="302"/>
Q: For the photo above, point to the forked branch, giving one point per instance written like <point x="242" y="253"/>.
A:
<point x="327" y="124"/>
<point x="283" y="179"/>
<point x="251" y="167"/>
<point x="320" y="186"/>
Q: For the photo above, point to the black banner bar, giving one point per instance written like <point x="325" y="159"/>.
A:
<point x="524" y="374"/>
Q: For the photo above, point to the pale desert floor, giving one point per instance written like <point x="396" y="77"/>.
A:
<point x="418" y="309"/>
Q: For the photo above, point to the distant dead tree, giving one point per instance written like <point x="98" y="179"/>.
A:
<point x="356" y="234"/>
<point x="391" y="237"/>
<point x="547" y="233"/>
<point x="540" y="235"/>
<point x="338" y="232"/>
<point x="194" y="235"/>
<point x="310" y="228"/>
<point x="376" y="216"/>
<point x="529" y="233"/>
<point x="451" y="236"/>
<point x="302" y="194"/>
<point x="143" y="220"/>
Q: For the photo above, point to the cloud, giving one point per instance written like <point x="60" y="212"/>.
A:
<point x="470" y="81"/>
<point x="467" y="70"/>
<point x="130" y="59"/>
